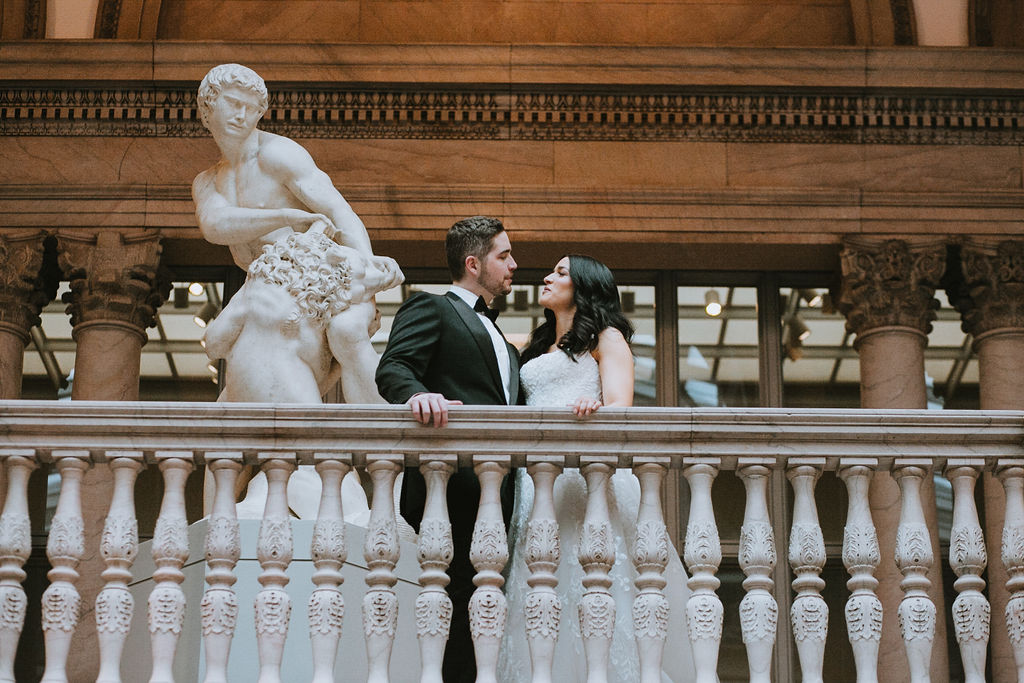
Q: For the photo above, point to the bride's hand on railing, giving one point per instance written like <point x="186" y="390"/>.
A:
<point x="584" y="406"/>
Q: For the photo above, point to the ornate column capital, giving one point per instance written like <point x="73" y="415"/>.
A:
<point x="26" y="285"/>
<point x="890" y="283"/>
<point x="114" y="277"/>
<point x="993" y="293"/>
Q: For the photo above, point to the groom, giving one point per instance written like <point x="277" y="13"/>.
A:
<point x="446" y="350"/>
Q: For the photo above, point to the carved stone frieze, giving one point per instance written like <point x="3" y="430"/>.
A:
<point x="994" y="285"/>
<point x="113" y="277"/>
<point x="537" y="113"/>
<point x="24" y="286"/>
<point x="890" y="283"/>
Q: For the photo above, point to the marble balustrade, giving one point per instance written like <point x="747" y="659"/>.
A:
<point x="701" y="444"/>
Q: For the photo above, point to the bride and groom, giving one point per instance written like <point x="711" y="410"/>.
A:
<point x="447" y="350"/>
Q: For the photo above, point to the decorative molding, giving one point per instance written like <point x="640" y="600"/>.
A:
<point x="993" y="273"/>
<point x="890" y="283"/>
<point x="113" y="277"/>
<point x="107" y="17"/>
<point x="642" y="113"/>
<point x="25" y="284"/>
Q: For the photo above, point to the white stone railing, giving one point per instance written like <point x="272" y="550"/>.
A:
<point x="701" y="443"/>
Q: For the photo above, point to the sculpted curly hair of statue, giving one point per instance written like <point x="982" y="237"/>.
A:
<point x="321" y="287"/>
<point x="224" y="75"/>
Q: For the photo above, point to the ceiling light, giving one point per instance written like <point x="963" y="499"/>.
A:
<point x="800" y="329"/>
<point x="205" y="314"/>
<point x="212" y="368"/>
<point x="812" y="297"/>
<point x="196" y="289"/>
<point x="712" y="304"/>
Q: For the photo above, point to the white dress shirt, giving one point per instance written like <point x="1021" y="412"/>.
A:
<point x="500" y="347"/>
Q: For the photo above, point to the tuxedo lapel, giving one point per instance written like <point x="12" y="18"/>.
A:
<point x="483" y="340"/>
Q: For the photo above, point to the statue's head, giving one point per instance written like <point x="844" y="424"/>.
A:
<point x="223" y="76"/>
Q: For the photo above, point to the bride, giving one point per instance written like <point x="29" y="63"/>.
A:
<point x="580" y="358"/>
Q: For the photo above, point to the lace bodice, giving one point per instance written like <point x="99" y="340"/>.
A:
<point x="555" y="380"/>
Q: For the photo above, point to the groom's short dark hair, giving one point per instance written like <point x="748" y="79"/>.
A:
<point x="469" y="237"/>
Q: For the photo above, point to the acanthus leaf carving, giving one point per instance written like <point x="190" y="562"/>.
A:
<point x="114" y="609"/>
<point x="433" y="614"/>
<point x="219" y="611"/>
<point x="704" y="617"/>
<point x="864" y="618"/>
<point x="166" y="609"/>
<point x="326" y="611"/>
<point x="487" y="612"/>
<point x="597" y="615"/>
<point x="380" y="613"/>
<point x="916" y="617"/>
<point x="273" y="611"/>
<point x="543" y="612"/>
<point x="650" y="616"/>
<point x="759" y="617"/>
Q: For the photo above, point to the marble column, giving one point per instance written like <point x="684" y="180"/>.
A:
<point x="114" y="295"/>
<point x="24" y="290"/>
<point x="888" y="298"/>
<point x="991" y="303"/>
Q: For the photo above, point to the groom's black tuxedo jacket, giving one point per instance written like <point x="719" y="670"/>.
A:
<point x="439" y="344"/>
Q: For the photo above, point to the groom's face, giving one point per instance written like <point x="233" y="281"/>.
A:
<point x="496" y="268"/>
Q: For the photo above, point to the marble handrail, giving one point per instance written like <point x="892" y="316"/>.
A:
<point x="699" y="443"/>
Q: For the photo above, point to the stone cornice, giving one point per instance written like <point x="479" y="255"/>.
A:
<point x="782" y="215"/>
<point x="835" y="95"/>
<point x="518" y="432"/>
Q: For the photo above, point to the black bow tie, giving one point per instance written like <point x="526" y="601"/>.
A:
<point x="481" y="307"/>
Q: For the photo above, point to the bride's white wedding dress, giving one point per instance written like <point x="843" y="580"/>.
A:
<point x="553" y="379"/>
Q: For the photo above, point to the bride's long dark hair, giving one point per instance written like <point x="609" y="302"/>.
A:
<point x="597" y="308"/>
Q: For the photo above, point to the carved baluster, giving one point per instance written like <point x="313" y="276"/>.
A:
<point x="326" y="604"/>
<point x="380" y="604"/>
<point x="650" y="557"/>
<point x="914" y="559"/>
<point x="1011" y="473"/>
<point x="809" y="614"/>
<point x="435" y="551"/>
<point x="759" y="613"/>
<point x="119" y="546"/>
<point x="15" y="548"/>
<point x="65" y="547"/>
<point x="967" y="558"/>
<point x="703" y="554"/>
<point x="219" y="607"/>
<point x="597" y="555"/>
<point x="861" y="556"/>
<point x="170" y="552"/>
<point x="274" y="550"/>
<point x="543" y="609"/>
<point x="488" y="552"/>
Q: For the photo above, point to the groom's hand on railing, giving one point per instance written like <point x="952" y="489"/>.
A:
<point x="427" y="407"/>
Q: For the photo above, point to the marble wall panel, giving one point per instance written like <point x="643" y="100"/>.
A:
<point x="919" y="168"/>
<point x="752" y="23"/>
<point x="95" y="160"/>
<point x="735" y="22"/>
<point x="640" y="164"/>
<point x="254" y="20"/>
<point x="434" y="161"/>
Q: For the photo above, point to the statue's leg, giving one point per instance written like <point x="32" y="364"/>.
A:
<point x="349" y="340"/>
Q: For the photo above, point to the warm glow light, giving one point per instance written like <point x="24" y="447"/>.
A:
<point x="712" y="304"/>
<point x="205" y="314"/>
<point x="196" y="289"/>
